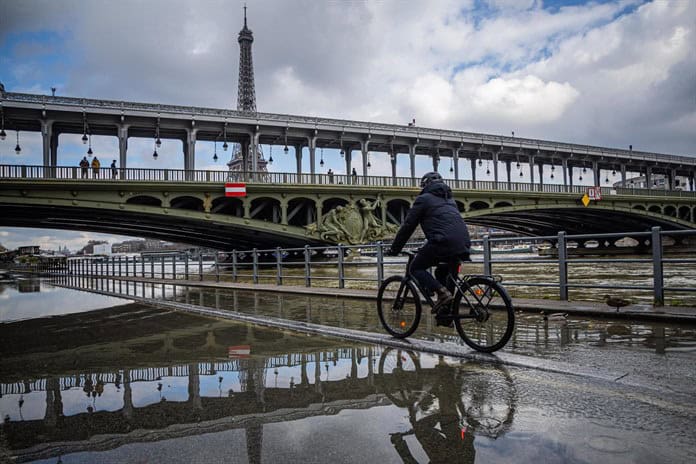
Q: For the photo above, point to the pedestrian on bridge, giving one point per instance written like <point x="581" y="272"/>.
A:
<point x="330" y="173"/>
<point x="84" y="164"/>
<point x="354" y="175"/>
<point x="95" y="167"/>
<point x="114" y="170"/>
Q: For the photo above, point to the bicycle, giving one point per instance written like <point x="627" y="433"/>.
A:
<point x="481" y="309"/>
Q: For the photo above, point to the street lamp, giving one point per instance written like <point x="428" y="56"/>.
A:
<point x="84" y="128"/>
<point x="215" y="156"/>
<point x="89" y="151"/>
<point x="18" y="149"/>
<point x="3" y="134"/>
<point x="270" y="154"/>
<point x="321" y="161"/>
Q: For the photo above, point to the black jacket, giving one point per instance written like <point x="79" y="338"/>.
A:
<point x="438" y="215"/>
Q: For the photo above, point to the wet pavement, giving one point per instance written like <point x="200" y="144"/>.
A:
<point x="133" y="383"/>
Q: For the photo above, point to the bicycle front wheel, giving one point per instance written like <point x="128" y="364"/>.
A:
<point x="398" y="306"/>
<point x="483" y="314"/>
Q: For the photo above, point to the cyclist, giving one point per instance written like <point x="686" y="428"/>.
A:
<point x="448" y="240"/>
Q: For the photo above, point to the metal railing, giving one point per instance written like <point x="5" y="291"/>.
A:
<point x="365" y="266"/>
<point x="71" y="173"/>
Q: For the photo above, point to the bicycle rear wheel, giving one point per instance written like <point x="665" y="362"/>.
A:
<point x="398" y="306"/>
<point x="494" y="317"/>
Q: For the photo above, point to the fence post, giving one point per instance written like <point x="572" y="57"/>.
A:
<point x="341" y="274"/>
<point x="217" y="268"/>
<point x="173" y="267"/>
<point x="162" y="268"/>
<point x="120" y="267"/>
<point x="186" y="269"/>
<point x="380" y="264"/>
<point x="234" y="265"/>
<point x="152" y="268"/>
<point x="127" y="262"/>
<point x="487" y="265"/>
<point x="254" y="266"/>
<point x="307" y="277"/>
<point x="200" y="266"/>
<point x="279" y="266"/>
<point x="658" y="276"/>
<point x="142" y="266"/>
<point x="562" y="267"/>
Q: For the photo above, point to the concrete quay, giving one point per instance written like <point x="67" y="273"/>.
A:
<point x="678" y="314"/>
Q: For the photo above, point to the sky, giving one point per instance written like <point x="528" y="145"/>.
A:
<point x="607" y="73"/>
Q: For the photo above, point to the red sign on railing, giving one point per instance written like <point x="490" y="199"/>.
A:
<point x="235" y="189"/>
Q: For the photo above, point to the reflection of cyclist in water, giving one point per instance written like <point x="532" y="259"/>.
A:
<point x="442" y="434"/>
<point x="447" y="405"/>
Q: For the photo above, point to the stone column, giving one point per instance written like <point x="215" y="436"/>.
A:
<point x="623" y="175"/>
<point x="298" y="160"/>
<point x="508" y="167"/>
<point x="122" y="148"/>
<point x="392" y="158"/>
<point x="541" y="174"/>
<point x="412" y="160"/>
<point x="595" y="173"/>
<point x="255" y="153"/>
<point x="364" y="147"/>
<point x="648" y="177"/>
<point x="565" y="169"/>
<point x="312" y="144"/>
<point x="54" y="147"/>
<point x="672" y="177"/>
<point x="190" y="152"/>
<point x="349" y="164"/>
<point x="473" y="172"/>
<point x="436" y="160"/>
<point x="46" y="130"/>
<point x="455" y="161"/>
<point x="495" y="168"/>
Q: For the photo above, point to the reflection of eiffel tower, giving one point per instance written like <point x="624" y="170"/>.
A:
<point x="246" y="100"/>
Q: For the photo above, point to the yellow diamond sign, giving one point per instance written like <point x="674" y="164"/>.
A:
<point x="585" y="199"/>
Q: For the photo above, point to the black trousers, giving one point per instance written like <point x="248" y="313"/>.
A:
<point x="447" y="263"/>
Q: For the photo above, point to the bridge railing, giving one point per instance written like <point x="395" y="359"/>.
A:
<point x="105" y="174"/>
<point x="562" y="268"/>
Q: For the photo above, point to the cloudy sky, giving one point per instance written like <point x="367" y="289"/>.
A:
<point x="609" y="73"/>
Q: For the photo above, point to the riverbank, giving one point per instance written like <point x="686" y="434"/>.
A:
<point x="642" y="311"/>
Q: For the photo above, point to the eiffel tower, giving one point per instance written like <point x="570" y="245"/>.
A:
<point x="246" y="98"/>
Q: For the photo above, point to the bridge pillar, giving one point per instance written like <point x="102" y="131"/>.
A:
<point x="508" y="167"/>
<point x="190" y="153"/>
<point x="473" y="172"/>
<point x="455" y="161"/>
<point x="623" y="175"/>
<point x="298" y="161"/>
<point x="648" y="177"/>
<point x="349" y="163"/>
<point x="392" y="158"/>
<point x="436" y="160"/>
<point x="312" y="143"/>
<point x="254" y="140"/>
<point x="194" y="387"/>
<point x="564" y="163"/>
<point x="672" y="177"/>
<point x="541" y="174"/>
<point x="284" y="212"/>
<point x="412" y="160"/>
<point x="495" y="168"/>
<point x="364" y="147"/>
<point x="531" y="169"/>
<point x="122" y="148"/>
<point x="596" y="174"/>
<point x="54" y="148"/>
<point x="46" y="129"/>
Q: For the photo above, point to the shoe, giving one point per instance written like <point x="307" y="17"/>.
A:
<point x="444" y="318"/>
<point x="444" y="297"/>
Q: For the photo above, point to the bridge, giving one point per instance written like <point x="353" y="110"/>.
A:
<point x="280" y="208"/>
<point x="290" y="209"/>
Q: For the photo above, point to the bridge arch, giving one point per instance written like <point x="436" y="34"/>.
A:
<point x="670" y="210"/>
<point x="640" y="207"/>
<point x="478" y="205"/>
<point x="460" y="206"/>
<point x="301" y="211"/>
<point x="228" y="206"/>
<point x="187" y="202"/>
<point x="502" y="204"/>
<point x="655" y="209"/>
<point x="684" y="213"/>
<point x="331" y="203"/>
<point x="265" y="209"/>
<point x="144" y="200"/>
<point x="397" y="210"/>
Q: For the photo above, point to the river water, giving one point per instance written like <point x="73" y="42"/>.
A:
<point x="91" y="378"/>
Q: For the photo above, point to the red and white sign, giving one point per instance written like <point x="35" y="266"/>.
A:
<point x="239" y="352"/>
<point x="235" y="189"/>
<point x="595" y="193"/>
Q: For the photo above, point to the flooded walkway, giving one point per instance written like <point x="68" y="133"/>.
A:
<point x="116" y="381"/>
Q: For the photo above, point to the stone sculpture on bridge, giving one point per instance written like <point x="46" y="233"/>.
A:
<point x="353" y="224"/>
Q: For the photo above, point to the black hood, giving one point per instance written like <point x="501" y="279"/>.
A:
<point x="439" y="189"/>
